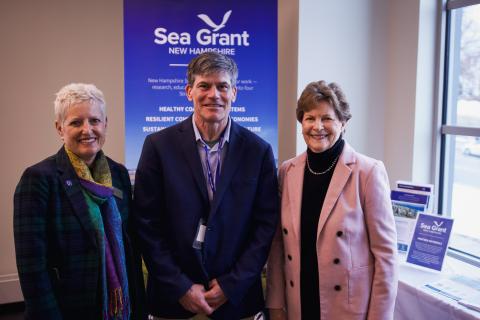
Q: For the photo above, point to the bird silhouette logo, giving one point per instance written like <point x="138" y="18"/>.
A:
<point x="438" y="224"/>
<point x="212" y="24"/>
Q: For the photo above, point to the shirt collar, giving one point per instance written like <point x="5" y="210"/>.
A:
<point x="198" y="136"/>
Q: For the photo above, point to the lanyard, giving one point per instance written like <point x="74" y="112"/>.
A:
<point x="211" y="180"/>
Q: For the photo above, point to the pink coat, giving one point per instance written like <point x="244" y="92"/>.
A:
<point x="356" y="230"/>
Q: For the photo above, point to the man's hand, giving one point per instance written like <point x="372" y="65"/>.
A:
<point x="215" y="296"/>
<point x="194" y="300"/>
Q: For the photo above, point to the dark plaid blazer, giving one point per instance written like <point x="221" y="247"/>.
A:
<point x="57" y="255"/>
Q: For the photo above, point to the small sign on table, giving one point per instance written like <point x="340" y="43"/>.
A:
<point x="430" y="241"/>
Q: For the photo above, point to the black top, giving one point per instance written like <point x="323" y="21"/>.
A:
<point x="314" y="191"/>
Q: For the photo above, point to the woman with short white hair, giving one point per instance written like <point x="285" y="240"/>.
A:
<point x="73" y="241"/>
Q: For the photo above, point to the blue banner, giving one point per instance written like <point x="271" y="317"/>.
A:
<point x="430" y="241"/>
<point x="162" y="36"/>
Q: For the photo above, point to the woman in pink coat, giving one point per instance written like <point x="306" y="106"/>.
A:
<point x="334" y="254"/>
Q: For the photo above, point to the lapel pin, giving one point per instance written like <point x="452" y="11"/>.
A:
<point x="68" y="183"/>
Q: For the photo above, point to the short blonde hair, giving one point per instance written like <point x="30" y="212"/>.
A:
<point x="75" y="93"/>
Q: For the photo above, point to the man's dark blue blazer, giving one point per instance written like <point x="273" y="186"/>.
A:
<point x="170" y="198"/>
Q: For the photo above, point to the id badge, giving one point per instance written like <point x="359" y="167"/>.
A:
<point x="118" y="193"/>
<point x="200" y="235"/>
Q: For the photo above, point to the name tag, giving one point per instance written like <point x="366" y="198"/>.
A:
<point x="118" y="193"/>
<point x="200" y="236"/>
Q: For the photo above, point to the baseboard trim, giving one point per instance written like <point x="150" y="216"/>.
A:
<point x="10" y="291"/>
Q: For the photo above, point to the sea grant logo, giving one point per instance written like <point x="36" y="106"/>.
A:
<point x="438" y="224"/>
<point x="203" y="37"/>
<point x="436" y="227"/>
<point x="211" y="24"/>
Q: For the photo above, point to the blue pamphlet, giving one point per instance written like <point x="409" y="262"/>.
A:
<point x="409" y="197"/>
<point x="430" y="241"/>
<point x="415" y="187"/>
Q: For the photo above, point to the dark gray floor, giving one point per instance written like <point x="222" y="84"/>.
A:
<point x="12" y="316"/>
<point x="13" y="311"/>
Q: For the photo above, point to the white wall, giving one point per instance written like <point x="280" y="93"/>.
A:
<point x="346" y="42"/>
<point x="47" y="44"/>
<point x="410" y="142"/>
<point x="287" y="77"/>
<point x="382" y="53"/>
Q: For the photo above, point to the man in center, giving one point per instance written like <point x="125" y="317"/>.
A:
<point x="206" y="205"/>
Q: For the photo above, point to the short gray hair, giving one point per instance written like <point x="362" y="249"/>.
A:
<point x="75" y="93"/>
<point x="212" y="62"/>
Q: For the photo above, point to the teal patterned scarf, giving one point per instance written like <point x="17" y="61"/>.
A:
<point x="98" y="191"/>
